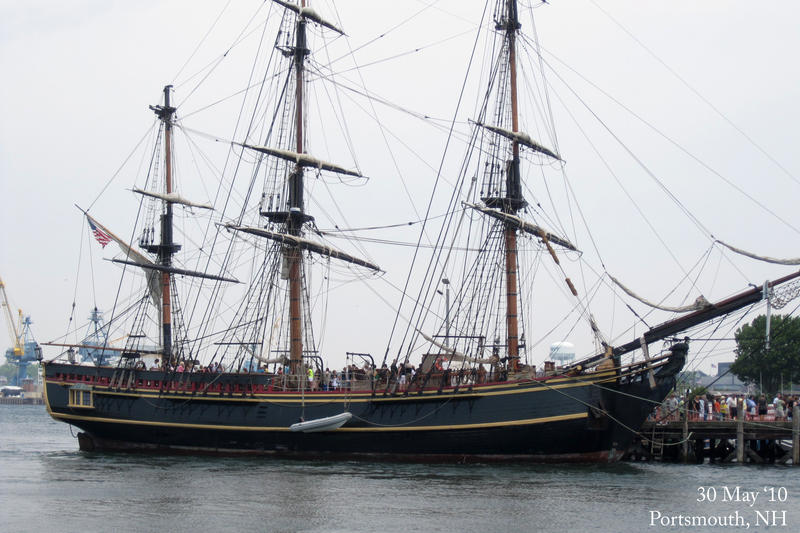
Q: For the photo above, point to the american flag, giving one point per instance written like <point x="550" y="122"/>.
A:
<point x="102" y="237"/>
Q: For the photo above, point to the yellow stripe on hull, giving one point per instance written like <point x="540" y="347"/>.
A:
<point x="509" y="423"/>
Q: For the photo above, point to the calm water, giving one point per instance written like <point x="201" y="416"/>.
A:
<point x="46" y="484"/>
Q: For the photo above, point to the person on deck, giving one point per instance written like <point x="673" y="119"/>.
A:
<point x="779" y="407"/>
<point x="672" y="407"/>
<point x="751" y="407"/>
<point x="732" y="406"/>
<point x="326" y="379"/>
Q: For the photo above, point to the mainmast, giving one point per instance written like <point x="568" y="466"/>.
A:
<point x="295" y="216"/>
<point x="167" y="248"/>
<point x="513" y="200"/>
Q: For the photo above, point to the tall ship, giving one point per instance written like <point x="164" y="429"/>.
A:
<point x="223" y="347"/>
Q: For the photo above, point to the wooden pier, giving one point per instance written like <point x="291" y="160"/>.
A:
<point x="18" y="400"/>
<point x="722" y="441"/>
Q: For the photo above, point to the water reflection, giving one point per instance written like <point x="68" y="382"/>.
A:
<point x="46" y="483"/>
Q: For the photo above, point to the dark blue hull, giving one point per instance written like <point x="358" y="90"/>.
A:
<point x="589" y="417"/>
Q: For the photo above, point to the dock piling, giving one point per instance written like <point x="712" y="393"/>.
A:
<point x="685" y="454"/>
<point x="796" y="435"/>
<point x="739" y="432"/>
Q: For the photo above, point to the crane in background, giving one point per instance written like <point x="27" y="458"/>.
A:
<point x="96" y="340"/>
<point x="24" y="350"/>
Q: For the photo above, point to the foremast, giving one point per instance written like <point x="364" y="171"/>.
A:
<point x="296" y="217"/>
<point x="514" y="194"/>
<point x="513" y="200"/>
<point x="504" y="199"/>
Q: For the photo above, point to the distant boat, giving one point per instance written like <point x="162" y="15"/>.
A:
<point x="460" y="387"/>
<point x="10" y="390"/>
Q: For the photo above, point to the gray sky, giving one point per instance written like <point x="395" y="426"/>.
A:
<point x="78" y="77"/>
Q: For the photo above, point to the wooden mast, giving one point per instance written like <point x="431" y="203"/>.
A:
<point x="167" y="247"/>
<point x="514" y="200"/>
<point x="296" y="217"/>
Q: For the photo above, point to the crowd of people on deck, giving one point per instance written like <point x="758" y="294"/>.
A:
<point x="400" y="377"/>
<point x="184" y="366"/>
<point x="721" y="407"/>
<point x="396" y="377"/>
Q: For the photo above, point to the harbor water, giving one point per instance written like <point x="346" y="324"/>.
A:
<point x="47" y="484"/>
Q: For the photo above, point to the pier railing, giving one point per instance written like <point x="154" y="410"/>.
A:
<point x="684" y="437"/>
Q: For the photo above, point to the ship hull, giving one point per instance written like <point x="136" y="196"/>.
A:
<point x="586" y="418"/>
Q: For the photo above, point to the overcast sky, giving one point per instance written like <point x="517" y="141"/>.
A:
<point x="719" y="78"/>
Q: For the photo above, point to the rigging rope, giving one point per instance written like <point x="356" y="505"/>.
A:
<point x="77" y="277"/>
<point x="665" y="137"/>
<point x="598" y="335"/>
<point x="698" y="94"/>
<point x="439" y="176"/>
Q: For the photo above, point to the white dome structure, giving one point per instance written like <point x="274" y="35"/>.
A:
<point x="562" y="352"/>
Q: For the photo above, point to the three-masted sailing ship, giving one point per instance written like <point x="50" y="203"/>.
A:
<point x="460" y="387"/>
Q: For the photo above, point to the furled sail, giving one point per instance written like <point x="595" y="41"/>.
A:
<point x="522" y="138"/>
<point x="304" y="160"/>
<point x="305" y="244"/>
<point x="454" y="355"/>
<point x="137" y="258"/>
<point x="179" y="271"/>
<point x="699" y="303"/>
<point x="760" y="257"/>
<point x="310" y="14"/>
<point x="520" y="224"/>
<point x="268" y="361"/>
<point x="265" y="360"/>
<point x="172" y="197"/>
